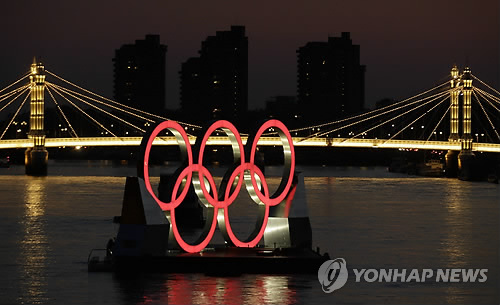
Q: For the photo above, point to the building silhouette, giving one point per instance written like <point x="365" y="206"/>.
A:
<point x="215" y="84"/>
<point x="283" y="108"/>
<point x="139" y="74"/>
<point x="331" y="79"/>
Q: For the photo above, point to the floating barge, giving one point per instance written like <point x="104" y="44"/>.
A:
<point x="217" y="261"/>
<point x="143" y="247"/>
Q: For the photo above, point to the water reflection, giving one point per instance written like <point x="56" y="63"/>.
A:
<point x="33" y="244"/>
<point x="201" y="289"/>
<point x="457" y="222"/>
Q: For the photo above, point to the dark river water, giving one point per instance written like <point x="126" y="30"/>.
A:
<point x="371" y="218"/>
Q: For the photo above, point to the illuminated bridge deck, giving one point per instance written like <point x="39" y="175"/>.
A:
<point x="266" y="141"/>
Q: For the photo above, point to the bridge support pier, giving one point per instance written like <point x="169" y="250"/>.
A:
<point x="451" y="164"/>
<point x="466" y="168"/>
<point x="35" y="161"/>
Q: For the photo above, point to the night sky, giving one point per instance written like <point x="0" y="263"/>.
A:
<point x="407" y="46"/>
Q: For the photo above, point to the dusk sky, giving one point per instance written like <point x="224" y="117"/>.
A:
<point x="407" y="46"/>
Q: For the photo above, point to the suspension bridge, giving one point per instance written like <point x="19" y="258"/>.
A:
<point x="418" y="122"/>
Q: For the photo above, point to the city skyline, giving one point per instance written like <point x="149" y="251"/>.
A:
<point x="406" y="48"/>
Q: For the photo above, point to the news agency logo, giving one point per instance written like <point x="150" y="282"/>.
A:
<point x="332" y="274"/>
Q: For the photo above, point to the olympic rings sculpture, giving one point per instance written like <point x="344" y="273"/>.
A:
<point x="219" y="199"/>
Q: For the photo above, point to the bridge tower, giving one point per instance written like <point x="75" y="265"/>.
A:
<point x="466" y="156"/>
<point x="454" y="106"/>
<point x="36" y="157"/>
<point x="451" y="156"/>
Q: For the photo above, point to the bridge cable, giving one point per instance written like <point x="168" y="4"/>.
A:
<point x="99" y="109"/>
<point x="487" y="100"/>
<point x="477" y="116"/>
<point x="391" y="119"/>
<point x="106" y="104"/>
<point x="487" y="116"/>
<point x="319" y="134"/>
<point x="128" y="107"/>
<point x="79" y="109"/>
<point x="481" y="94"/>
<point x="488" y="110"/>
<point x="11" y="93"/>
<point x="15" y="98"/>
<point x="439" y="123"/>
<point x="17" y="81"/>
<point x="62" y="112"/>
<point x="413" y="122"/>
<point x="374" y="116"/>
<point x="492" y="97"/>
<point x="491" y="111"/>
<point x="69" y="91"/>
<point x="15" y="115"/>
<point x="369" y="112"/>
<point x="491" y="88"/>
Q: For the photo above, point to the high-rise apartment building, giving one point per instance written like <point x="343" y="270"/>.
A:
<point x="139" y="74"/>
<point x="331" y="79"/>
<point x="215" y="84"/>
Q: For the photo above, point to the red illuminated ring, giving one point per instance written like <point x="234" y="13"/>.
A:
<point x="189" y="170"/>
<point x="288" y="170"/>
<point x="183" y="142"/>
<point x="238" y="153"/>
<point x="208" y="234"/>
<point x="252" y="241"/>
<point x="201" y="245"/>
